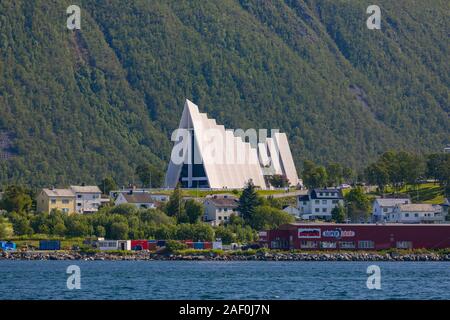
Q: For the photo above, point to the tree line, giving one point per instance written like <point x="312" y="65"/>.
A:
<point x="178" y="219"/>
<point x="394" y="169"/>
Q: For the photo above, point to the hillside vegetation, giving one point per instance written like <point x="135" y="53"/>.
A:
<point x="78" y="106"/>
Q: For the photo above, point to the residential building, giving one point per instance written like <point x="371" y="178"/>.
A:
<point x="383" y="207"/>
<point x="213" y="157"/>
<point x="88" y="198"/>
<point x="141" y="200"/>
<point x="319" y="203"/>
<point x="219" y="208"/>
<point x="417" y="213"/>
<point x="156" y="196"/>
<point x="56" y="199"/>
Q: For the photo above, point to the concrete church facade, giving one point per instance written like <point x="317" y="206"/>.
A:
<point x="206" y="155"/>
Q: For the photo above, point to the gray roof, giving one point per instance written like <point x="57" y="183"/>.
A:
<point x="58" y="192"/>
<point x="138" y="197"/>
<point x="391" y="202"/>
<point x="419" y="207"/>
<point x="223" y="202"/>
<point x="85" y="189"/>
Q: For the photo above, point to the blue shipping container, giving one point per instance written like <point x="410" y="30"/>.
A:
<point x="49" y="245"/>
<point x="199" y="245"/>
<point x="7" y="245"/>
<point x="161" y="243"/>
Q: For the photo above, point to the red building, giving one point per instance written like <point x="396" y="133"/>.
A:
<point x="357" y="236"/>
<point x="139" y="245"/>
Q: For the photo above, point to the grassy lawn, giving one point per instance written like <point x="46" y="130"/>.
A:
<point x="237" y="193"/>
<point x="425" y="192"/>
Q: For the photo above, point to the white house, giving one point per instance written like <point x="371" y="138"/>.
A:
<point x="219" y="208"/>
<point x="87" y="198"/>
<point x="383" y="207"/>
<point x="319" y="203"/>
<point x="105" y="245"/>
<point x="141" y="200"/>
<point x="156" y="196"/>
<point x="417" y="213"/>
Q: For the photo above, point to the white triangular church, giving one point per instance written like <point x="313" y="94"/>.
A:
<point x="206" y="155"/>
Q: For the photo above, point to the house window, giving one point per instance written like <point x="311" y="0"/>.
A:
<point x="334" y="201"/>
<point x="324" y="209"/>
<point x="53" y="201"/>
<point x="79" y="196"/>
<point x="65" y="201"/>
<point x="366" y="244"/>
<point x="406" y="215"/>
<point x="65" y="210"/>
<point x="317" y="209"/>
<point x="416" y="215"/>
<point x="327" y="194"/>
<point x="304" y="203"/>
<point x="225" y="218"/>
<point x="220" y="217"/>
<point x="404" y="244"/>
<point x="347" y="245"/>
<point x="79" y="204"/>
<point x="308" y="244"/>
<point x="328" y="245"/>
<point x="317" y="202"/>
<point x="324" y="201"/>
<point x="320" y="193"/>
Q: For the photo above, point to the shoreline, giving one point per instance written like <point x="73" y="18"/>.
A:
<point x="278" y="256"/>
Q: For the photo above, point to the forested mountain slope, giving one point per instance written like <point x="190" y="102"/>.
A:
<point x="77" y="106"/>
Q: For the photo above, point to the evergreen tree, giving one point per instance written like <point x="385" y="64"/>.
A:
<point x="175" y="206"/>
<point x="108" y="184"/>
<point x="338" y="214"/>
<point x="248" y="201"/>
<point x="194" y="210"/>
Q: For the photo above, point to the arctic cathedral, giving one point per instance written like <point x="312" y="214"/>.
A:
<point x="206" y="155"/>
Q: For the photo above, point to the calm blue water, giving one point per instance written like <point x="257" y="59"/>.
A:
<point x="223" y="280"/>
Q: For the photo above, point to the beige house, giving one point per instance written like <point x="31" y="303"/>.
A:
<point x="58" y="199"/>
<point x="417" y="213"/>
<point x="219" y="208"/>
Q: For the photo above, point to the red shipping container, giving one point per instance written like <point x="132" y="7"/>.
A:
<point x="207" y="245"/>
<point x="152" y="246"/>
<point x="139" y="244"/>
<point x="189" y="244"/>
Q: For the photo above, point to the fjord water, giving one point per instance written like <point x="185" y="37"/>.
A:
<point x="223" y="280"/>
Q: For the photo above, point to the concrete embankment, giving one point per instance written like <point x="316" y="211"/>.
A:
<point x="147" y="256"/>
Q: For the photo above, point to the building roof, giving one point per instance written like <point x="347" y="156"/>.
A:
<point x="295" y="225"/>
<point x="223" y="201"/>
<point x="85" y="189"/>
<point x="314" y="193"/>
<point x="418" y="207"/>
<point x="391" y="202"/>
<point x="139" y="197"/>
<point x="58" y="192"/>
<point x="304" y="197"/>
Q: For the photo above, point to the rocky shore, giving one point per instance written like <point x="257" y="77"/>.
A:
<point x="267" y="256"/>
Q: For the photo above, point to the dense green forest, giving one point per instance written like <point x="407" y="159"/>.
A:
<point x="78" y="106"/>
